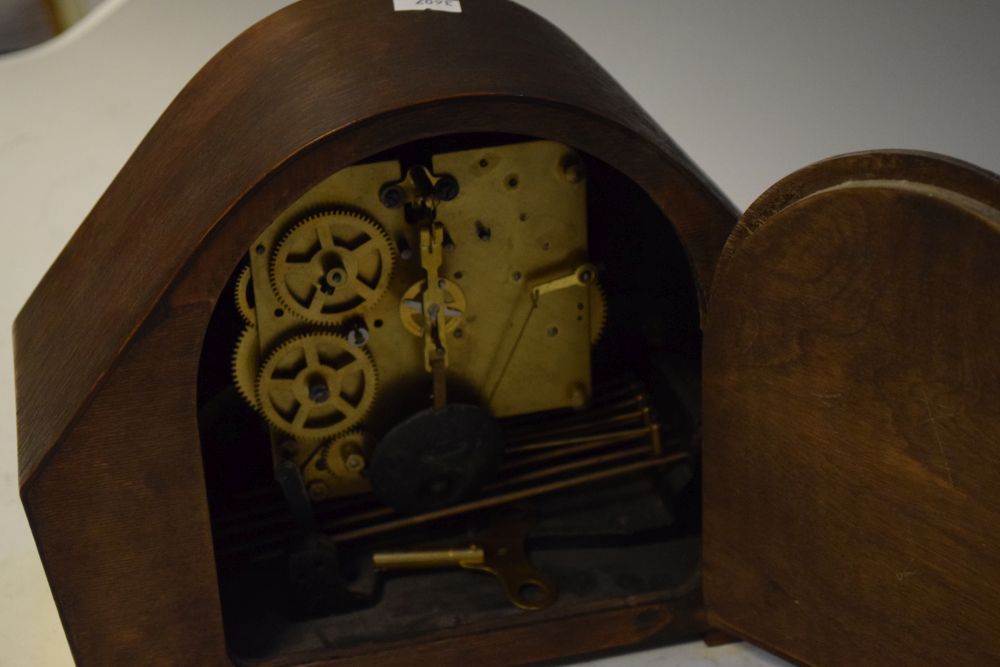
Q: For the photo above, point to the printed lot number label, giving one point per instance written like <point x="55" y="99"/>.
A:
<point x="432" y="5"/>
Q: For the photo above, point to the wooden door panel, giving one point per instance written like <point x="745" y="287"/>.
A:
<point x="852" y="421"/>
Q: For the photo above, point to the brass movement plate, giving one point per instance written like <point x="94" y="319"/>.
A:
<point x="518" y="222"/>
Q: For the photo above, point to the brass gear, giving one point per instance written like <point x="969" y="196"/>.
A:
<point x="316" y="386"/>
<point x="332" y="265"/>
<point x="346" y="455"/>
<point x="246" y="365"/>
<point x="244" y="292"/>
<point x="598" y="312"/>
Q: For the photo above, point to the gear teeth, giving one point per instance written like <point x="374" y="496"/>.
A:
<point x="347" y="424"/>
<point x="363" y="440"/>
<point x="245" y="365"/>
<point x="598" y="312"/>
<point x="244" y="286"/>
<point x="369" y="224"/>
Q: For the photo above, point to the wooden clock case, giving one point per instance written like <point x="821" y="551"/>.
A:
<point x="851" y="429"/>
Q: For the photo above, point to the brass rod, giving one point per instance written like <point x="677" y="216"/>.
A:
<point x="613" y="392"/>
<point x="607" y="421"/>
<point x="553" y="471"/>
<point x="656" y="436"/>
<point x="603" y="406"/>
<point x="270" y="544"/>
<point x="422" y="560"/>
<point x="349" y="516"/>
<point x="234" y="525"/>
<point x="612" y="436"/>
<point x="562" y="453"/>
<point x="502" y="499"/>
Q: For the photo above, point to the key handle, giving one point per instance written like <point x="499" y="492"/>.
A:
<point x="505" y="558"/>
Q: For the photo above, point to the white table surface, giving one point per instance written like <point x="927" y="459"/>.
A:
<point x="752" y="91"/>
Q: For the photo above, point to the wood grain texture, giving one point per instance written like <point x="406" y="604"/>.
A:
<point x="107" y="348"/>
<point x="852" y="427"/>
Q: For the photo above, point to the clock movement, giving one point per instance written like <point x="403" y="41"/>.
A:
<point x="409" y="336"/>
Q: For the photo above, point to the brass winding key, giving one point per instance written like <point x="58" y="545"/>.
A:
<point x="499" y="551"/>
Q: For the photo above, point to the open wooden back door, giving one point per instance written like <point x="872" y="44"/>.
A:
<point x="852" y="416"/>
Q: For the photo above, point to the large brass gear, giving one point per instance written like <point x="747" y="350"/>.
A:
<point x="332" y="265"/>
<point x="316" y="386"/>
<point x="598" y="312"/>
<point x="244" y="297"/>
<point x="246" y="365"/>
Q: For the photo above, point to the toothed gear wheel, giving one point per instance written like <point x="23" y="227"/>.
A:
<point x="244" y="297"/>
<point x="246" y="365"/>
<point x="316" y="386"/>
<point x="598" y="312"/>
<point x="346" y="455"/>
<point x="332" y="265"/>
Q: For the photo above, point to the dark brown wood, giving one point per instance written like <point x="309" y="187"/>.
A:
<point x="647" y="620"/>
<point x="852" y="422"/>
<point x="715" y="638"/>
<point x="107" y="347"/>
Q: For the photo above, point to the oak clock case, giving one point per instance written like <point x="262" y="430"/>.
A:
<point x="409" y="368"/>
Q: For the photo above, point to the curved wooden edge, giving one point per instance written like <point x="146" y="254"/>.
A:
<point x="850" y="376"/>
<point x="285" y="86"/>
<point x="942" y="171"/>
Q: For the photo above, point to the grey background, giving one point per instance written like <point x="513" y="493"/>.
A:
<point x="754" y="90"/>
